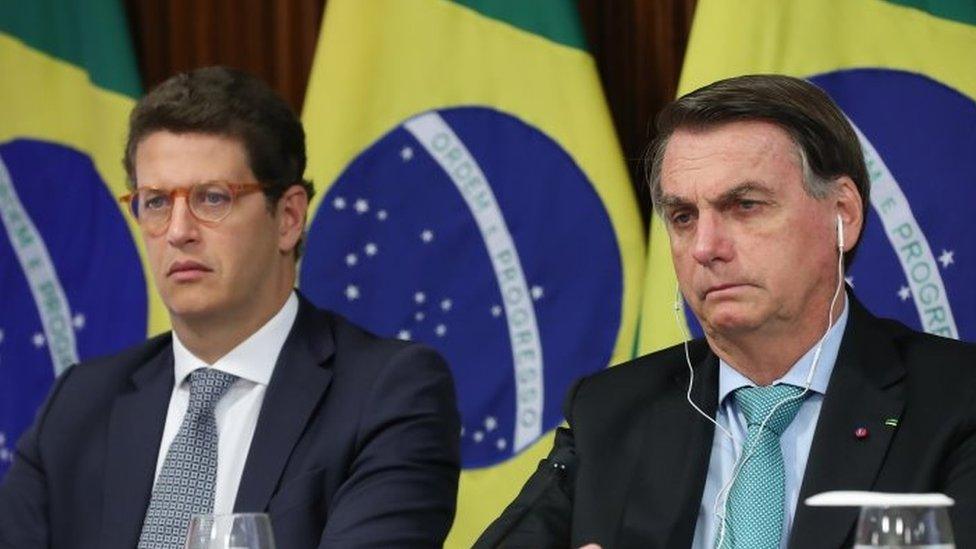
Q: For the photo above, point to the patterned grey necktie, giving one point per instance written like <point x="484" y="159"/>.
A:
<point x="186" y="481"/>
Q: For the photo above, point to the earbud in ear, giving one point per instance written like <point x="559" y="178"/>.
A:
<point x="840" y="234"/>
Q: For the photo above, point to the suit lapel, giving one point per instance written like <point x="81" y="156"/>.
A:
<point x="664" y="498"/>
<point x="865" y="389"/>
<point x="299" y="380"/>
<point x="134" y="432"/>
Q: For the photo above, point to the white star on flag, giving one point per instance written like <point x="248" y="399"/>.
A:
<point x="419" y="315"/>
<point x="361" y="206"/>
<point x="406" y="154"/>
<point x="419" y="298"/>
<point x="496" y="311"/>
<point x="501" y="444"/>
<point x="78" y="321"/>
<point x="370" y="248"/>
<point x="427" y="235"/>
<point x="440" y="330"/>
<point x="381" y="215"/>
<point x="404" y="335"/>
<point x="339" y="203"/>
<point x="946" y="258"/>
<point x="446" y="305"/>
<point x="352" y="292"/>
<point x="351" y="259"/>
<point x="849" y="280"/>
<point x="904" y="293"/>
<point x="536" y="292"/>
<point x="38" y="340"/>
<point x="478" y="436"/>
<point x="491" y="423"/>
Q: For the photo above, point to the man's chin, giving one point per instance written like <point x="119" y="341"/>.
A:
<point x="189" y="306"/>
<point x="730" y="320"/>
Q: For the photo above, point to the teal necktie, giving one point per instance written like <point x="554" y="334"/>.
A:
<point x="757" y="500"/>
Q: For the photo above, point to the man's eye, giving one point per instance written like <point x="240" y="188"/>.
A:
<point x="155" y="202"/>
<point x="680" y="219"/>
<point x="214" y="197"/>
<point x="749" y="204"/>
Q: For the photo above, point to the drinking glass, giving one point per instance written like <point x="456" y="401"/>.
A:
<point x="895" y="520"/>
<point x="901" y="527"/>
<point x="233" y="531"/>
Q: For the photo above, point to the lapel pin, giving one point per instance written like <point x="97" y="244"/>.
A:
<point x="891" y="422"/>
<point x="861" y="433"/>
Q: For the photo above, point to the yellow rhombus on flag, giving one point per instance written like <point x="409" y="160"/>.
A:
<point x="904" y="71"/>
<point x="474" y="197"/>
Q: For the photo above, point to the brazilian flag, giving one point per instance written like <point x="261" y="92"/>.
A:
<point x="71" y="278"/>
<point x="904" y="72"/>
<point x="474" y="198"/>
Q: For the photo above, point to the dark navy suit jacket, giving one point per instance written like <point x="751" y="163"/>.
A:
<point x="356" y="445"/>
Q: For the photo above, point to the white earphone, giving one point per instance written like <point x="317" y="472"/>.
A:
<point x="840" y="234"/>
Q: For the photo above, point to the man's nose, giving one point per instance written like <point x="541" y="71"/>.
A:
<point x="183" y="225"/>
<point x="712" y="241"/>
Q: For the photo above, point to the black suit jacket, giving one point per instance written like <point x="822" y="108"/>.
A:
<point x="356" y="445"/>
<point x="630" y="469"/>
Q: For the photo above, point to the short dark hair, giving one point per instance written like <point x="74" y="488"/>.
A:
<point x="232" y="103"/>
<point x="826" y="143"/>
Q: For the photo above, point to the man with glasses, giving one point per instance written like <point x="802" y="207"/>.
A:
<point x="257" y="401"/>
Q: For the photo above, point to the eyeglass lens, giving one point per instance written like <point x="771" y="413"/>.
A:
<point x="207" y="202"/>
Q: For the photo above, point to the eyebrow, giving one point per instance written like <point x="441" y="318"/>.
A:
<point x="670" y="201"/>
<point x="740" y="190"/>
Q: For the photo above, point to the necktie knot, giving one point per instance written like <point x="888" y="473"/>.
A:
<point x="207" y="385"/>
<point x="757" y="403"/>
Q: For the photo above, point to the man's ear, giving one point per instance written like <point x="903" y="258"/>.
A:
<point x="850" y="208"/>
<point x="292" y="209"/>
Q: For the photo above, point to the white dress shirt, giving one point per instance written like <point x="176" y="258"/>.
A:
<point x="237" y="411"/>
<point x="795" y="440"/>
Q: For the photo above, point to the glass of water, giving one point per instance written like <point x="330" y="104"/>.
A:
<point x="233" y="531"/>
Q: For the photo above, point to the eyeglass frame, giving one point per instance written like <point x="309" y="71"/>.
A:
<point x="236" y="190"/>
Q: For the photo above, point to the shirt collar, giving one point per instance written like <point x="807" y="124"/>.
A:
<point x="729" y="379"/>
<point x="253" y="359"/>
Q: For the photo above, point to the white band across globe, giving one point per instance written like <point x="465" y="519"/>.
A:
<point x="909" y="244"/>
<point x="447" y="149"/>
<point x="35" y="261"/>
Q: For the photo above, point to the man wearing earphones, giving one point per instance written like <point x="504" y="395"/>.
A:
<point x="795" y="389"/>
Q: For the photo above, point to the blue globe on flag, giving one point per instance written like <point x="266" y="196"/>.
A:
<point x="475" y="233"/>
<point x="71" y="282"/>
<point x="918" y="136"/>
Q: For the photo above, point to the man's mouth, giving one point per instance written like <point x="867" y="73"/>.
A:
<point x="720" y="289"/>
<point x="187" y="270"/>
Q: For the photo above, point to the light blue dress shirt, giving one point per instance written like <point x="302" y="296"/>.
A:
<point x="795" y="441"/>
